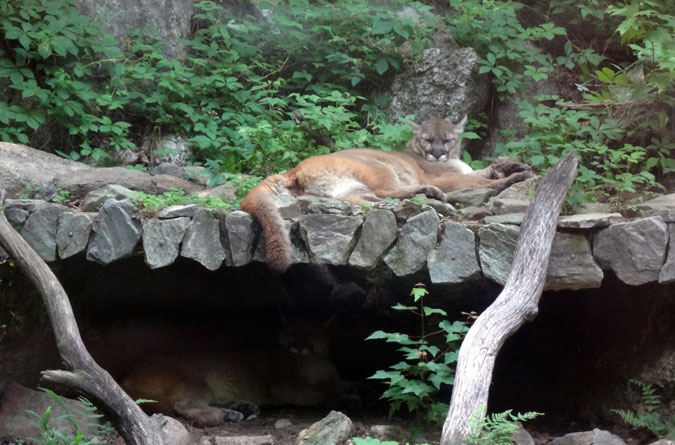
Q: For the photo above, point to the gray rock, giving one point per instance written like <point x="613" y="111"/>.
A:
<point x="416" y="239"/>
<point x="39" y="230"/>
<point x="95" y="198"/>
<point x="281" y="424"/>
<point x="287" y="205"/>
<point x="326" y="206"/>
<point x="121" y="17"/>
<point x="161" y="240"/>
<point x="27" y="205"/>
<point x="333" y="429"/>
<point x="663" y="442"/>
<point x="245" y="440"/>
<point x="495" y="250"/>
<point x="329" y="238"/>
<point x="473" y="213"/>
<point x="470" y="197"/>
<point x="514" y="199"/>
<point x="24" y="166"/>
<point x="667" y="274"/>
<point x="16" y="421"/>
<point x="589" y="220"/>
<point x="176" y="211"/>
<point x="242" y="232"/>
<point x="73" y="232"/>
<point x="501" y="206"/>
<point x="507" y="218"/>
<point x="663" y="206"/>
<point x="117" y="234"/>
<point x="392" y="433"/>
<point x="406" y="209"/>
<point x="202" y="241"/>
<point x="445" y="82"/>
<point x="592" y="207"/>
<point x="442" y="208"/>
<point x="378" y="232"/>
<point x="170" y="149"/>
<point x="173" y="432"/>
<point x="454" y="260"/>
<point x="224" y="192"/>
<point x="571" y="265"/>
<point x="522" y="437"/>
<point x="17" y="217"/>
<point x="523" y="190"/>
<point x="595" y="437"/>
<point x="634" y="250"/>
<point x="81" y="182"/>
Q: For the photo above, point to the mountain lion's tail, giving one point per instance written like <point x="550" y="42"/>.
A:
<point x="260" y="203"/>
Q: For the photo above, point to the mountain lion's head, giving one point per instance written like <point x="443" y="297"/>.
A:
<point x="436" y="139"/>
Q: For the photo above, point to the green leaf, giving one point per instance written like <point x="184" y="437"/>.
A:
<point x="381" y="65"/>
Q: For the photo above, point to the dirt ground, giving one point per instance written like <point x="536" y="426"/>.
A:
<point x="299" y="420"/>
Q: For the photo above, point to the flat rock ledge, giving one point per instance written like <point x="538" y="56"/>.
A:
<point x="405" y="237"/>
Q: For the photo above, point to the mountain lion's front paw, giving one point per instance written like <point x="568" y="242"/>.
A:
<point x="233" y="415"/>
<point x="433" y="192"/>
<point x="505" y="167"/>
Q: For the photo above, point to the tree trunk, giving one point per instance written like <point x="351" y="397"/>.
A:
<point x="516" y="304"/>
<point x="86" y="376"/>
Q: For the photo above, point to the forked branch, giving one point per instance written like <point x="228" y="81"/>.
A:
<point x="85" y="376"/>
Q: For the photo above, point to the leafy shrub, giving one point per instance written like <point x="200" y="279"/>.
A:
<point x="497" y="428"/>
<point x="415" y="382"/>
<point x="253" y="95"/>
<point x="650" y="419"/>
<point x="51" y="436"/>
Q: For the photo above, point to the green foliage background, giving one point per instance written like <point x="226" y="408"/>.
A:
<point x="256" y="95"/>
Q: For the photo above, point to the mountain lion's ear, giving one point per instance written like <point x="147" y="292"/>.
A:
<point x="416" y="128"/>
<point x="459" y="126"/>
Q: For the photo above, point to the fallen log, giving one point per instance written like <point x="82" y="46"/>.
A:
<point x="516" y="304"/>
<point x="84" y="375"/>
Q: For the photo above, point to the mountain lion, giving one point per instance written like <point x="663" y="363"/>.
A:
<point x="209" y="388"/>
<point x="429" y="164"/>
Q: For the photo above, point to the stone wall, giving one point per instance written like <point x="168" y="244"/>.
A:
<point x="405" y="237"/>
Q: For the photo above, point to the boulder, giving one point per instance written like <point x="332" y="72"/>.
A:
<point x="595" y="437"/>
<point x="161" y="240"/>
<point x="444" y="83"/>
<point x="202" y="241"/>
<point x="23" y="167"/>
<point x="83" y="181"/>
<point x="571" y="265"/>
<point x="634" y="250"/>
<point x="117" y="233"/>
<point x="241" y="231"/>
<point x="667" y="274"/>
<point x="120" y="18"/>
<point x="454" y="260"/>
<point x="378" y="233"/>
<point x="40" y="228"/>
<point x="333" y="429"/>
<point x="95" y="198"/>
<point x="416" y="239"/>
<point x="329" y="238"/>
<point x="663" y="206"/>
<point x="73" y="232"/>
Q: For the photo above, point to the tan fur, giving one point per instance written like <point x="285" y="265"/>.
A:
<point x="206" y="387"/>
<point x="429" y="165"/>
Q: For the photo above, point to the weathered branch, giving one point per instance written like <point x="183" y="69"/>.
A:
<point x="86" y="376"/>
<point x="516" y="304"/>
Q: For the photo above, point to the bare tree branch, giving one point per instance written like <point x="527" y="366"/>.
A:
<point x="86" y="376"/>
<point x="516" y="304"/>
